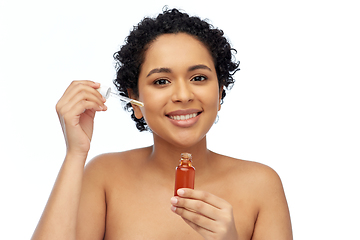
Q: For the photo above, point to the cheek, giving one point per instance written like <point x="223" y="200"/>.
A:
<point x="152" y="103"/>
<point x="210" y="97"/>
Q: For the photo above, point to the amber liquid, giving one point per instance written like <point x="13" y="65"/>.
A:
<point x="184" y="178"/>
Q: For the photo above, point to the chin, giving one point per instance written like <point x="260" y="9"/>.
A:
<point x="187" y="140"/>
<point x="181" y="137"/>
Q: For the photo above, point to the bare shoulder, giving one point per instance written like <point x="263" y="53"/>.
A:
<point x="258" y="181"/>
<point x="262" y="186"/>
<point x="104" y="165"/>
<point x="100" y="175"/>
<point x="134" y="155"/>
<point x="258" y="173"/>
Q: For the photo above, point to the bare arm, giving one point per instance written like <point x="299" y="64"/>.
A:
<point x="76" y="110"/>
<point x="59" y="216"/>
<point x="273" y="221"/>
<point x="92" y="209"/>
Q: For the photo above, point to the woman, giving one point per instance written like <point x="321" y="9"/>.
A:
<point x="178" y="66"/>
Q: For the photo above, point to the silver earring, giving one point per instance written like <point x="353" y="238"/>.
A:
<point x="217" y="119"/>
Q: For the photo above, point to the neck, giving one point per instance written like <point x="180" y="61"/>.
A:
<point x="166" y="156"/>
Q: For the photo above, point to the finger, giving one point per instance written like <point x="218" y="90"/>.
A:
<point x="78" y="109"/>
<point x="77" y="96"/>
<point x="84" y="86"/>
<point x="77" y="86"/>
<point x="198" y="206"/>
<point x="87" y="95"/>
<point x="203" y="196"/>
<point x="197" y="219"/>
<point x="202" y="231"/>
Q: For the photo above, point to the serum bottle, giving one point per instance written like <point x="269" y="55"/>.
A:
<point x="184" y="173"/>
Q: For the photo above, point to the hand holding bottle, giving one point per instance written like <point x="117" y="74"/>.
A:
<point x="209" y="215"/>
<point x="76" y="110"/>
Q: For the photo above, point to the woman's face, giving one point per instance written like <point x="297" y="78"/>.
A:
<point x="179" y="88"/>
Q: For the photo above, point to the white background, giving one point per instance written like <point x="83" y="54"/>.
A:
<point x="294" y="107"/>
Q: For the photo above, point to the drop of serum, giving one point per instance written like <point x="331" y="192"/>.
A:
<point x="184" y="173"/>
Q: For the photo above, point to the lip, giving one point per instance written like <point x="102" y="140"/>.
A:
<point x="184" y="123"/>
<point x="183" y="112"/>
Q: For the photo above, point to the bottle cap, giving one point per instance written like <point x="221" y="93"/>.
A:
<point x="186" y="156"/>
<point x="104" y="91"/>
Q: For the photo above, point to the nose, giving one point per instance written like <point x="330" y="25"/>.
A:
<point x="182" y="92"/>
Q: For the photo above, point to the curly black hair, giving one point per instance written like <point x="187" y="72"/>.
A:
<point x="131" y="55"/>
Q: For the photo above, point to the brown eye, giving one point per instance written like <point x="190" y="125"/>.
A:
<point x="199" y="78"/>
<point x="161" y="82"/>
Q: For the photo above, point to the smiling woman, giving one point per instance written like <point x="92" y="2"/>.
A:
<point x="178" y="66"/>
<point x="131" y="56"/>
<point x="179" y="95"/>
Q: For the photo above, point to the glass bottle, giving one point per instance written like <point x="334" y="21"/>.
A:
<point x="184" y="173"/>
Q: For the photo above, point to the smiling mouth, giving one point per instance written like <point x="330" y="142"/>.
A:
<point x="183" y="117"/>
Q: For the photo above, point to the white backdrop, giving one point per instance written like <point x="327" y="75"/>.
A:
<point x="294" y="107"/>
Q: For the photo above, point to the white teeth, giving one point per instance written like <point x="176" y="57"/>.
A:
<point x="183" y="117"/>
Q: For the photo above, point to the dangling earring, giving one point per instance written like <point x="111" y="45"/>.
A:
<point x="217" y="119"/>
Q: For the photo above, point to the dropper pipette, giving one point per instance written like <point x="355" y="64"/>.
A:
<point x="106" y="92"/>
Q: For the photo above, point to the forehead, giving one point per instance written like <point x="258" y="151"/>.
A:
<point x="175" y="50"/>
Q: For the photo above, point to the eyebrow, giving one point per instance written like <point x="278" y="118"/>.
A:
<point x="199" y="66"/>
<point x="159" y="70"/>
<point x="168" y="70"/>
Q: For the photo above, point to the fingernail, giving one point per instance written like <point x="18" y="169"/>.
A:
<point x="180" y="192"/>
<point x="173" y="200"/>
<point x="173" y="208"/>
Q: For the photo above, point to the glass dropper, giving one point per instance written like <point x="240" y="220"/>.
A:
<point x="106" y="92"/>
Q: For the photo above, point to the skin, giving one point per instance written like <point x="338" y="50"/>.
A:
<point x="129" y="195"/>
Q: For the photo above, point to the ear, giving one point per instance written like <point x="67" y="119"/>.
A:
<point x="137" y="111"/>
<point x="220" y="95"/>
